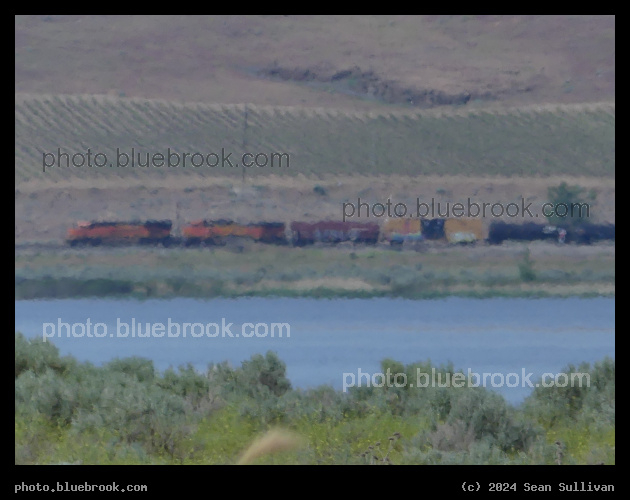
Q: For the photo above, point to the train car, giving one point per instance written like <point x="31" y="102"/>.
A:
<point x="308" y="233"/>
<point x="463" y="230"/>
<point x="120" y="233"/>
<point x="271" y="232"/>
<point x="218" y="232"/>
<point x="529" y="231"/>
<point x="397" y="231"/>
<point x="586" y="234"/>
<point x="432" y="229"/>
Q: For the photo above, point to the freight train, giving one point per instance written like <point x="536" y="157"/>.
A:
<point x="393" y="231"/>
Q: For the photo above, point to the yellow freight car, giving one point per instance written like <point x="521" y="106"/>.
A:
<point x="463" y="230"/>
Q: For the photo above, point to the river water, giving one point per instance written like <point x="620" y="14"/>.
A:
<point x="335" y="341"/>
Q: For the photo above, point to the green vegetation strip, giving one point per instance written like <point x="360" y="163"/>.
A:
<point x="126" y="412"/>
<point x="265" y="270"/>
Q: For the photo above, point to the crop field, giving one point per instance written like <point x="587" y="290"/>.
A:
<point x="575" y="140"/>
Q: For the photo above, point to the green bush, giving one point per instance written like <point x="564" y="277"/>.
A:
<point x="573" y="199"/>
<point x="139" y="368"/>
<point x="45" y="394"/>
<point x="526" y="268"/>
<point x="263" y="375"/>
<point x="487" y="416"/>
<point x="38" y="356"/>
<point x="127" y="412"/>
<point x="551" y="405"/>
<point x="197" y="389"/>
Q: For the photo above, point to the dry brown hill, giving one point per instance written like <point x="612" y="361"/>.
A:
<point x="352" y="62"/>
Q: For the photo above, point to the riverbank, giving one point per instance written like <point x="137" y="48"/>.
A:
<point x="537" y="269"/>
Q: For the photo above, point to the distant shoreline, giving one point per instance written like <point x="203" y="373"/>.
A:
<point x="318" y="272"/>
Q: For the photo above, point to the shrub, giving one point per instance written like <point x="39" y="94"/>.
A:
<point x="571" y="197"/>
<point x="38" y="356"/>
<point x="552" y="405"/>
<point x="196" y="388"/>
<point x="263" y="375"/>
<point x="138" y="412"/>
<point x="140" y="368"/>
<point x="489" y="417"/>
<point x="526" y="268"/>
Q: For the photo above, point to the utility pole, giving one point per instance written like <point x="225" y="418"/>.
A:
<point x="244" y="140"/>
<point x="178" y="226"/>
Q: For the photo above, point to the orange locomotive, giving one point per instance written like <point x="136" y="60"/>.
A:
<point x="120" y="233"/>
<point x="219" y="231"/>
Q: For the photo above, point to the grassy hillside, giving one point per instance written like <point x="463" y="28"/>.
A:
<point x="575" y="140"/>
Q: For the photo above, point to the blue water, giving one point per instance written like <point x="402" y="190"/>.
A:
<point x="330" y="338"/>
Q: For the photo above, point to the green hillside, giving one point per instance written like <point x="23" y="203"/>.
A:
<point x="530" y="141"/>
